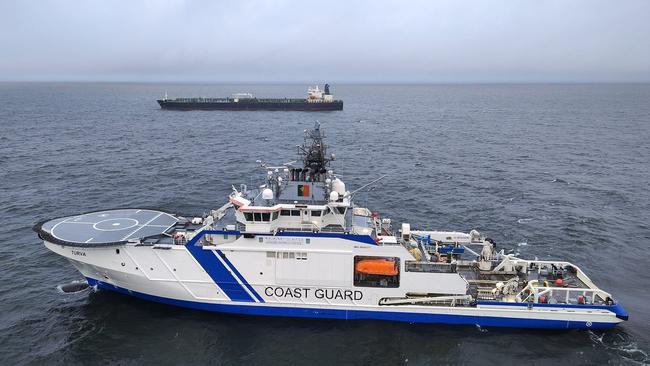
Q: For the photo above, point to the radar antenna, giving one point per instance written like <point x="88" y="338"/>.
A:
<point x="313" y="154"/>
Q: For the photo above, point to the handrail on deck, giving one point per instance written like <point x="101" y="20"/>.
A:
<point x="535" y="292"/>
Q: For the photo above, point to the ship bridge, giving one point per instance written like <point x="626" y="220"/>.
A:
<point x="309" y="197"/>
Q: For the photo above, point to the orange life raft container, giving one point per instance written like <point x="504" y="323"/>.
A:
<point x="377" y="267"/>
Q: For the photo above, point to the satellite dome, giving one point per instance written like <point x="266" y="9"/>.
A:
<point x="267" y="194"/>
<point x="334" y="196"/>
<point x="338" y="186"/>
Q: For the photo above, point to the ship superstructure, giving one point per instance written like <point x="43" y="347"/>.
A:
<point x="317" y="100"/>
<point x="297" y="245"/>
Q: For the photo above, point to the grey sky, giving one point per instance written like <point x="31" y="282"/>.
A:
<point x="337" y="41"/>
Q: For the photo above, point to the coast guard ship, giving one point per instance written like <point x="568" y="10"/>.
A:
<point x="298" y="246"/>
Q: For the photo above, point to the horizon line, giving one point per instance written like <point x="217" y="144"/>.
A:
<point x="293" y="82"/>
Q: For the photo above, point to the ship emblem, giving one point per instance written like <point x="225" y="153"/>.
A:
<point x="303" y="190"/>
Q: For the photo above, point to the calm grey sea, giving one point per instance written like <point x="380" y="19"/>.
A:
<point x="548" y="171"/>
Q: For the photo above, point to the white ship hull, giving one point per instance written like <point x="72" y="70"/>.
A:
<point x="174" y="276"/>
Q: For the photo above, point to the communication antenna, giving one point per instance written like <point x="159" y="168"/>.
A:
<point x="366" y="185"/>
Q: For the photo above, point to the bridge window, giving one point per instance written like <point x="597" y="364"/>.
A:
<point x="316" y="213"/>
<point x="259" y="216"/>
<point x="285" y="213"/>
<point x="295" y="212"/>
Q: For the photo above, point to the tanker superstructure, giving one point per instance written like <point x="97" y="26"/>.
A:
<point x="317" y="100"/>
<point x="297" y="245"/>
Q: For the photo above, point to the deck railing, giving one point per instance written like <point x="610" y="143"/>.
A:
<point x="562" y="295"/>
<point x="430" y="267"/>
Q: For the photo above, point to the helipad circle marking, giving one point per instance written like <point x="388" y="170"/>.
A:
<point x="115" y="224"/>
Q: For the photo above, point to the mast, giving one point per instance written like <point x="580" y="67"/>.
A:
<point x="313" y="153"/>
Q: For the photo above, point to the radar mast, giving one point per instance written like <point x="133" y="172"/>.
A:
<point x="313" y="153"/>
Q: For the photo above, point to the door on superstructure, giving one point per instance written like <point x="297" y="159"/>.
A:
<point x="305" y="219"/>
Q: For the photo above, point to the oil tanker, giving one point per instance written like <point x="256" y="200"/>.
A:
<point x="317" y="100"/>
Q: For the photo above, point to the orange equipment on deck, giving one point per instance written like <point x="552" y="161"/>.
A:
<point x="377" y="267"/>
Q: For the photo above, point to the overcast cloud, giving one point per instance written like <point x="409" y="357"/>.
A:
<point x="337" y="41"/>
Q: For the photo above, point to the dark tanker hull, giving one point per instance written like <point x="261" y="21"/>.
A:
<point x="209" y="104"/>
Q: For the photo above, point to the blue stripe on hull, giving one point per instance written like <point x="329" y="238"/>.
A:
<point x="219" y="273"/>
<point x="241" y="278"/>
<point x="359" y="314"/>
<point x="366" y="239"/>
